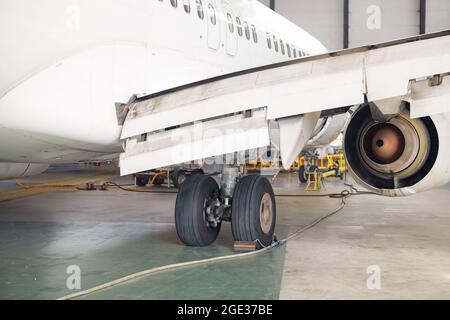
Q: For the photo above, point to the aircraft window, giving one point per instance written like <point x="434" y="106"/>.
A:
<point x="200" y="12"/>
<point x="187" y="6"/>
<point x="269" y="40"/>
<point x="275" y="43"/>
<point x="255" y="34"/>
<point x="230" y="22"/>
<point x="239" y="26"/>
<point x="174" y="3"/>
<point x="212" y="14"/>
<point x="295" y="52"/>
<point x="283" y="50"/>
<point x="289" y="50"/>
<point x="247" y="30"/>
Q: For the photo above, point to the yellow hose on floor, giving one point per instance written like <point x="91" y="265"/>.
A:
<point x="30" y="190"/>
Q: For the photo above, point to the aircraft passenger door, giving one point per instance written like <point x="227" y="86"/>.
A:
<point x="231" y="29"/>
<point x="212" y="14"/>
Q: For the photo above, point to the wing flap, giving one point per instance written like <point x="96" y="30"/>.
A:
<point x="197" y="141"/>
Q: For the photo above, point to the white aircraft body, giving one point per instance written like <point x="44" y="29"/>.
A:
<point x="86" y="80"/>
<point x="66" y="64"/>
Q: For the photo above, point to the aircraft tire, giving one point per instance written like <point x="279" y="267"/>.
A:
<point x="190" y="211"/>
<point x="142" y="181"/>
<point x="302" y="175"/>
<point x="178" y="177"/>
<point x="253" y="213"/>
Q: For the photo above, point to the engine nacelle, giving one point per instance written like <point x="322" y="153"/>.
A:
<point x="400" y="157"/>
<point x="20" y="170"/>
<point x="327" y="130"/>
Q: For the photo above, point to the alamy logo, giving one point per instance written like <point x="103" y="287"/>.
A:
<point x="374" y="279"/>
<point x="73" y="282"/>
<point x="374" y="19"/>
<point x="73" y="21"/>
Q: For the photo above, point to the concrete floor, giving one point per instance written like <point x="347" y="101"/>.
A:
<point x="408" y="239"/>
<point x="110" y="234"/>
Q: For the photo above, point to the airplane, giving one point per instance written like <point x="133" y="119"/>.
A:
<point x="162" y="82"/>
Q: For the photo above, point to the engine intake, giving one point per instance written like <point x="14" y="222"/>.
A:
<point x="392" y="155"/>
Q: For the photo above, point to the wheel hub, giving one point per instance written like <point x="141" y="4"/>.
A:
<point x="266" y="213"/>
<point x="181" y="179"/>
<point x="212" y="213"/>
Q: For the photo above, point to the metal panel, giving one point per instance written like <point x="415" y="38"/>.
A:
<point x="286" y="91"/>
<point x="389" y="70"/>
<point x="373" y="21"/>
<point x="438" y="13"/>
<point x="321" y="18"/>
<point x="265" y="2"/>
<point x="194" y="142"/>
<point x="294" y="135"/>
<point x="427" y="100"/>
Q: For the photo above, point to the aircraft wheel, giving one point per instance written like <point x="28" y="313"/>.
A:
<point x="253" y="213"/>
<point x="196" y="199"/>
<point x="142" y="181"/>
<point x="302" y="174"/>
<point x="198" y="171"/>
<point x="178" y="177"/>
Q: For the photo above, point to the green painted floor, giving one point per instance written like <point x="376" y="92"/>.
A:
<point x="35" y="255"/>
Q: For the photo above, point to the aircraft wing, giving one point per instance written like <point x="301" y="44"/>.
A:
<point x="239" y="111"/>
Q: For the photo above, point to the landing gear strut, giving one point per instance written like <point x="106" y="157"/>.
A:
<point x="248" y="202"/>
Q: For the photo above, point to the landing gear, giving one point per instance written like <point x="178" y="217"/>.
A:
<point x="248" y="202"/>
<point x="142" y="181"/>
<point x="196" y="212"/>
<point x="302" y="174"/>
<point x="254" y="211"/>
<point x="178" y="177"/>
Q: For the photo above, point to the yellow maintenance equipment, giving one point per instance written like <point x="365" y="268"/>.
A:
<point x="331" y="173"/>
<point x="314" y="181"/>
<point x="323" y="162"/>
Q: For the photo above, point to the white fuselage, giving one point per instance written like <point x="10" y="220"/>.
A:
<point x="65" y="64"/>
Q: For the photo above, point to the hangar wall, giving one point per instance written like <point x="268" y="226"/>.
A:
<point x="368" y="21"/>
<point x="321" y="18"/>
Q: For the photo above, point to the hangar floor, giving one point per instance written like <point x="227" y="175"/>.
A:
<point x="110" y="234"/>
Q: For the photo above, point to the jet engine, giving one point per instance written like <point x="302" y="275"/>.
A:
<point x="20" y="170"/>
<point x="399" y="156"/>
<point x="327" y="130"/>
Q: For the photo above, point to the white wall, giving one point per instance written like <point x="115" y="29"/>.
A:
<point x="373" y="21"/>
<point x="438" y="15"/>
<point x="266" y="2"/>
<point x="322" y="18"/>
<point x="397" y="19"/>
